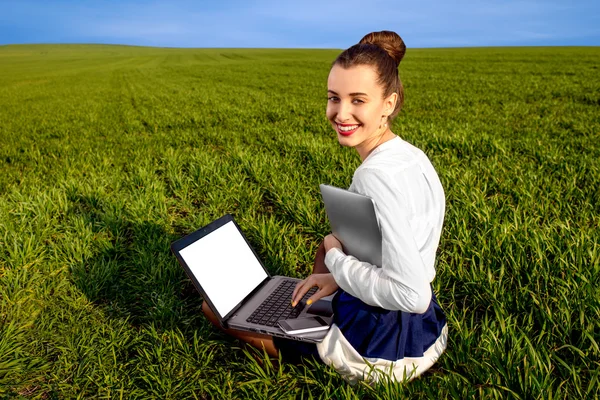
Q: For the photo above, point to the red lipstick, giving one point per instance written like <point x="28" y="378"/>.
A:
<point x="346" y="131"/>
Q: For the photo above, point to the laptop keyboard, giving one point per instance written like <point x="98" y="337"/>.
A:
<point x="278" y="305"/>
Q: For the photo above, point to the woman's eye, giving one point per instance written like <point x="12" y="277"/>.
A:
<point x="332" y="98"/>
<point x="358" y="101"/>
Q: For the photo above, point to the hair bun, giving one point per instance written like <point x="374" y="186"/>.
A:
<point x="389" y="41"/>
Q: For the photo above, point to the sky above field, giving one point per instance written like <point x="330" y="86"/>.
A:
<point x="300" y="24"/>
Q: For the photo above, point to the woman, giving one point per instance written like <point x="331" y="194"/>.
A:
<point x="387" y="320"/>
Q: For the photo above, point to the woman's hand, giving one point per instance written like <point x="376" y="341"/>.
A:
<point x="330" y="242"/>
<point x="324" y="282"/>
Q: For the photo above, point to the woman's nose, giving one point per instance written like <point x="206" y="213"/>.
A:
<point x="343" y="113"/>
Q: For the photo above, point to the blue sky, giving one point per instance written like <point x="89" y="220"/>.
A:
<point x="300" y="24"/>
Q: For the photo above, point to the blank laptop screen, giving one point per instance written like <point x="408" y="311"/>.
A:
<point x="225" y="267"/>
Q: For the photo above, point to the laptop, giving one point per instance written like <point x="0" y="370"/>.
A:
<point x="354" y="223"/>
<point x="238" y="288"/>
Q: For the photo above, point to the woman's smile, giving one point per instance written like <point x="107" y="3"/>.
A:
<point x="347" y="129"/>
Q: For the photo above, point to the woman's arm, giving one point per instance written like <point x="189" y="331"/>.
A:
<point x="402" y="281"/>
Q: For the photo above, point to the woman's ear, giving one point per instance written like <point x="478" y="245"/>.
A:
<point x="390" y="103"/>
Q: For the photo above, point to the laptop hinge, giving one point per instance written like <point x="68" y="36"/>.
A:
<point x="257" y="289"/>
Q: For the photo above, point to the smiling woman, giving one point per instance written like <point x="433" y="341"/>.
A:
<point x="387" y="321"/>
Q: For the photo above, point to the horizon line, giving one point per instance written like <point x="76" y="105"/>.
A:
<point x="276" y="48"/>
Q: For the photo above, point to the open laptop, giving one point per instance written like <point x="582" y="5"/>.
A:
<point x="233" y="281"/>
<point x="354" y="223"/>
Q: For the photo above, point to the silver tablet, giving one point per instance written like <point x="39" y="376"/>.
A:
<point x="354" y="223"/>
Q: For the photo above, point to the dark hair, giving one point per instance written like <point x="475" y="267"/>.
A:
<point x="383" y="50"/>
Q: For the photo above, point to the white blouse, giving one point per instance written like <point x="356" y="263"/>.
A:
<point x="409" y="203"/>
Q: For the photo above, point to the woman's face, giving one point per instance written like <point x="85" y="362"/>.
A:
<point x="356" y="107"/>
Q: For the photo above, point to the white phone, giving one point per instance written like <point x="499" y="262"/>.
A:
<point x="303" y="325"/>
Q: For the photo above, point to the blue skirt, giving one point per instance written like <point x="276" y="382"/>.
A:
<point x="391" y="335"/>
<point x="375" y="332"/>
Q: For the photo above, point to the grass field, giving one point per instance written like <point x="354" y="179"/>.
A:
<point x="110" y="153"/>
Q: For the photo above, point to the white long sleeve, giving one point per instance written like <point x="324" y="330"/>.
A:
<point x="409" y="203"/>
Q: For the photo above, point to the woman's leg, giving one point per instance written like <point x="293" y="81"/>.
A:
<point x="319" y="266"/>
<point x="257" y="340"/>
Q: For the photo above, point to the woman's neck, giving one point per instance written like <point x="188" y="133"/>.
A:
<point x="367" y="147"/>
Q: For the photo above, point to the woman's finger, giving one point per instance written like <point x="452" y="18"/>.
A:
<point x="318" y="295"/>
<point x="297" y="288"/>
<point x="327" y="286"/>
<point x="301" y="290"/>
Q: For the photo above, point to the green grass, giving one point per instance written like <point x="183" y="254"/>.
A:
<point x="110" y="153"/>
